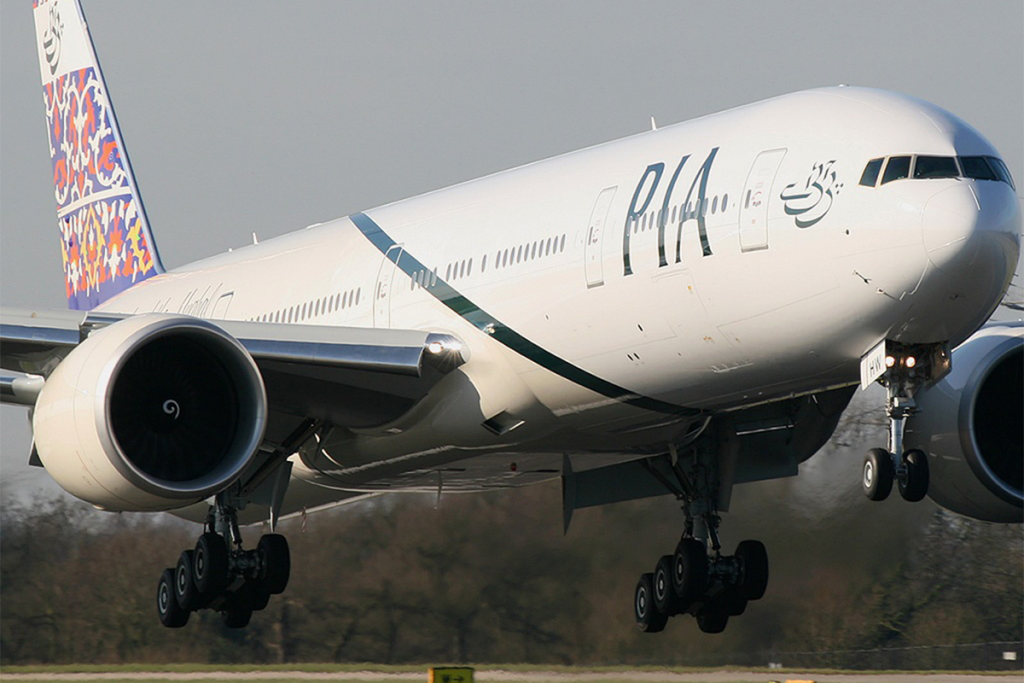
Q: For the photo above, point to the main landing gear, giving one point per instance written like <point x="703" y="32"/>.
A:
<point x="697" y="579"/>
<point x="220" y="575"/>
<point x="908" y="367"/>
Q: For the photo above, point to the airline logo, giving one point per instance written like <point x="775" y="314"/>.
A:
<point x="62" y="44"/>
<point x="52" y="39"/>
<point x="694" y="206"/>
<point x="811" y="200"/>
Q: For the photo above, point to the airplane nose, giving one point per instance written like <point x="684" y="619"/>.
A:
<point x="973" y="226"/>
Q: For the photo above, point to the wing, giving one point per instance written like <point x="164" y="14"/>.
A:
<point x="352" y="377"/>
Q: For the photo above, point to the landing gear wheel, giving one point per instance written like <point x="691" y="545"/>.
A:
<point x="665" y="598"/>
<point x="754" y="559"/>
<point x="648" y="618"/>
<point x="276" y="562"/>
<point x="713" y="618"/>
<point x="258" y="596"/>
<point x="914" y="486"/>
<point x="878" y="474"/>
<point x="689" y="572"/>
<point x="210" y="565"/>
<point x="167" y="607"/>
<point x="735" y="605"/>
<point x="237" y="617"/>
<point x="185" y="591"/>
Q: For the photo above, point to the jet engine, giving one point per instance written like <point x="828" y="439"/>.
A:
<point x="152" y="412"/>
<point x="971" y="425"/>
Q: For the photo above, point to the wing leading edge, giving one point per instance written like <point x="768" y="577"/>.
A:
<point x="353" y="377"/>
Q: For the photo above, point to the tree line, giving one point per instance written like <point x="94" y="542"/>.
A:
<point x="491" y="578"/>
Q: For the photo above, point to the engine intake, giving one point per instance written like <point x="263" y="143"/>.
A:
<point x="153" y="412"/>
<point x="970" y="425"/>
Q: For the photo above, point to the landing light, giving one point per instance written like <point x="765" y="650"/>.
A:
<point x="438" y="347"/>
<point x="890" y="361"/>
<point x="911" y="361"/>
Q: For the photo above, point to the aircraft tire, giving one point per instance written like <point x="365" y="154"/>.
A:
<point x="735" y="604"/>
<point x="648" y="618"/>
<point x="914" y="487"/>
<point x="210" y="565"/>
<point x="167" y="608"/>
<point x="665" y="598"/>
<point x="878" y="474"/>
<point x="185" y="590"/>
<point x="258" y="595"/>
<point x="713" y="618"/>
<point x="755" y="569"/>
<point x="237" y="617"/>
<point x="689" y="572"/>
<point x="276" y="562"/>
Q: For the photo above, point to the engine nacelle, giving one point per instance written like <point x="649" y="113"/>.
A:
<point x="153" y="412"/>
<point x="971" y="425"/>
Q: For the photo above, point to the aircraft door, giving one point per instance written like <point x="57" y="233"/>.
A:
<point x="382" y="291"/>
<point x="754" y="200"/>
<point x="593" y="256"/>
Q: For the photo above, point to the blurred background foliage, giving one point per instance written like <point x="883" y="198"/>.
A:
<point x="491" y="578"/>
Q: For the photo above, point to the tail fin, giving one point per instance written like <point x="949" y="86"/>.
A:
<point x="106" y="242"/>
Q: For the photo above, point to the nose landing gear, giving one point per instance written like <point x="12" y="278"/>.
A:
<point x="908" y="367"/>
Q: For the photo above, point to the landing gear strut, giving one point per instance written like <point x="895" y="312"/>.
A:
<point x="697" y="579"/>
<point x="908" y="367"/>
<point x="219" y="574"/>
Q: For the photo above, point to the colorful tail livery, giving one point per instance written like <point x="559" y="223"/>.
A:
<point x="106" y="242"/>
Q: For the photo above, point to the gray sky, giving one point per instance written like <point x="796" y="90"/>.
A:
<point x="266" y="116"/>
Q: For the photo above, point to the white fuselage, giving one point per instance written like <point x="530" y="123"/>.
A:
<point x="610" y="295"/>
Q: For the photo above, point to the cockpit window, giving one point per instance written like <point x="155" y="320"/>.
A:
<point x="935" y="167"/>
<point x="897" y="169"/>
<point x="978" y="168"/>
<point x="870" y="175"/>
<point x="927" y="167"/>
<point x="1001" y="170"/>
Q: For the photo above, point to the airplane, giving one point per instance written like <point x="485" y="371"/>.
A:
<point x="674" y="313"/>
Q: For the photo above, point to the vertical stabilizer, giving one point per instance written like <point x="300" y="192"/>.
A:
<point x="106" y="242"/>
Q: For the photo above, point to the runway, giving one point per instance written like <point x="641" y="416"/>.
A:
<point x="505" y="676"/>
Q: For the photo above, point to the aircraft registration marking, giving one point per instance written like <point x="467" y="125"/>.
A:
<point x="872" y="365"/>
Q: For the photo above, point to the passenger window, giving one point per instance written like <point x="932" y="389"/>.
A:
<point x="870" y="175"/>
<point x="935" y="167"/>
<point x="898" y="168"/>
<point x="977" y="168"/>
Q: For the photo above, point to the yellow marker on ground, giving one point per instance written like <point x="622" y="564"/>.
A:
<point x="450" y="674"/>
